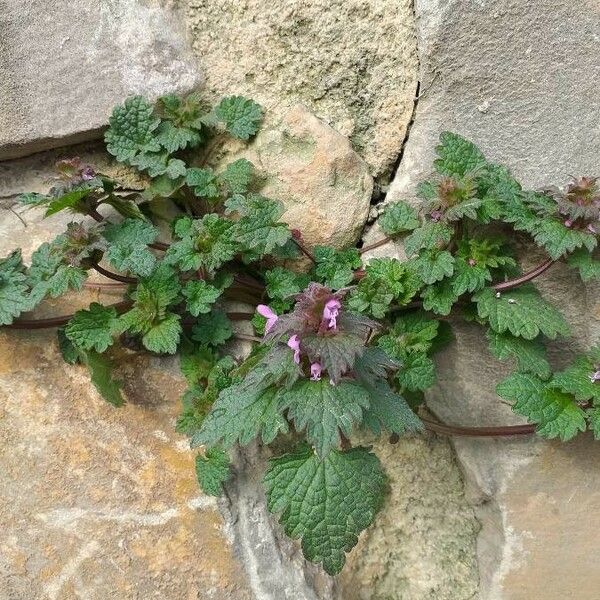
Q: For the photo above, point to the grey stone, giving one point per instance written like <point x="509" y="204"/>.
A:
<point x="353" y="63"/>
<point x="65" y="64"/>
<point x="520" y="80"/>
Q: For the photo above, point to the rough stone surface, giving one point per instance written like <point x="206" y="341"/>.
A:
<point x="422" y="544"/>
<point x="520" y="82"/>
<point x="324" y="184"/>
<point x="99" y="502"/>
<point x="65" y="64"/>
<point x="352" y="62"/>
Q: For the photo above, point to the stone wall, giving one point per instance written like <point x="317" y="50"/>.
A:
<point x="102" y="503"/>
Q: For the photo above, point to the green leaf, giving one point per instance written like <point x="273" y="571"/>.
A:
<point x="521" y="311"/>
<point x="258" y="230"/>
<point x="457" y="156"/>
<point x="386" y="280"/>
<point x="196" y="362"/>
<point x="131" y="129"/>
<point x="212" y="471"/>
<point x="126" y="208"/>
<point x="173" y="138"/>
<point x="200" y="296"/>
<point x="128" y="248"/>
<point x="440" y="297"/>
<point x="577" y="378"/>
<point x="213" y="329"/>
<point x="584" y="261"/>
<point x="70" y="353"/>
<point x="558" y="239"/>
<point x="398" y="217"/>
<point x="594" y="422"/>
<point x="386" y="408"/>
<point x="530" y="355"/>
<point x="431" y="236"/>
<point x="282" y="284"/>
<point x="336" y="353"/>
<point x="241" y="116"/>
<point x="14" y="291"/>
<point x="205" y="243"/>
<point x="417" y="372"/>
<point x="71" y="200"/>
<point x="160" y="329"/>
<point x="203" y="182"/>
<point x="326" y="502"/>
<point x="163" y="335"/>
<point x="555" y="412"/>
<point x="93" y="329"/>
<point x="469" y="278"/>
<point x="335" y="268"/>
<point x="159" y="163"/>
<point x="413" y="332"/>
<point x="239" y="415"/>
<point x="237" y="176"/>
<point x="100" y="368"/>
<point x="433" y="265"/>
<point x="32" y="199"/>
<point x="324" y="409"/>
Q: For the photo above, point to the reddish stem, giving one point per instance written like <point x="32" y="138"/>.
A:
<point x="493" y="431"/>
<point x="115" y="276"/>
<point x="304" y="250"/>
<point x="374" y="245"/>
<point x="120" y="307"/>
<point x="526" y="277"/>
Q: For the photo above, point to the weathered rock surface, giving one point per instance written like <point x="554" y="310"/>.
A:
<point x="519" y="79"/>
<point x="422" y="544"/>
<point x="323" y="183"/>
<point x="99" y="502"/>
<point x="65" y="64"/>
<point x="352" y="62"/>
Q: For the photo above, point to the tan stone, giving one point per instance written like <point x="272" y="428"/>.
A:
<point x="351" y="62"/>
<point x="323" y="183"/>
<point x="97" y="501"/>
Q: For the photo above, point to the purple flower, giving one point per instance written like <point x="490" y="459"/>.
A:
<point x="436" y="215"/>
<point x="315" y="371"/>
<point x="331" y="311"/>
<point x="568" y="223"/>
<point x="592" y="229"/>
<point x="267" y="313"/>
<point x="595" y="376"/>
<point x="294" y="344"/>
<point x="88" y="173"/>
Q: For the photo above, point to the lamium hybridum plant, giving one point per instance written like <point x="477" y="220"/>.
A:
<point x="342" y="345"/>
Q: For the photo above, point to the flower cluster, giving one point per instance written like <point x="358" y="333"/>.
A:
<point x="328" y="323"/>
<point x="580" y="204"/>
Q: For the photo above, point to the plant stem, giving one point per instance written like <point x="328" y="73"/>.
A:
<point x="114" y="276"/>
<point x="304" y="250"/>
<point x="374" y="245"/>
<point x="493" y="431"/>
<point x="526" y="277"/>
<point x="50" y="322"/>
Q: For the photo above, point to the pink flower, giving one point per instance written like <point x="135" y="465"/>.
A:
<point x="595" y="377"/>
<point x="267" y="313"/>
<point x="568" y="223"/>
<point x="315" y="371"/>
<point x="330" y="313"/>
<point x="294" y="344"/>
<point x="592" y="229"/>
